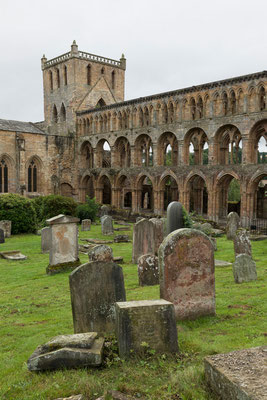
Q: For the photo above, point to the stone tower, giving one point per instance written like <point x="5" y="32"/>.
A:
<point x="77" y="81"/>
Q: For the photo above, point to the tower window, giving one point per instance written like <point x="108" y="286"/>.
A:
<point x="3" y="177"/>
<point x="102" y="71"/>
<point x="62" y="113"/>
<point x="32" y="177"/>
<point x="89" y="74"/>
<point x="65" y="75"/>
<point x="113" y="80"/>
<point x="51" y="79"/>
<point x="58" y="78"/>
<point x="54" y="115"/>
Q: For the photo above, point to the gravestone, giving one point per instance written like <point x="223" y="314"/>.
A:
<point x="149" y="321"/>
<point x="174" y="216"/>
<point x="121" y="239"/>
<point x="143" y="239"/>
<point x="148" y="270"/>
<point x="101" y="252"/>
<point x="233" y="223"/>
<point x="158" y="232"/>
<point x="106" y="225"/>
<point x="244" y="269"/>
<point x="104" y="210"/>
<point x="86" y="225"/>
<point x="186" y="273"/>
<point x="94" y="289"/>
<point x="6" y="226"/>
<point x="139" y="219"/>
<point x="64" y="251"/>
<point x="242" y="243"/>
<point x="46" y="239"/>
<point x="2" y="236"/>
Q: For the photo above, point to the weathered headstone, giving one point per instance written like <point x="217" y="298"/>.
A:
<point x="242" y="243"/>
<point x="214" y="242"/>
<point x="158" y="232"/>
<point x="139" y="219"/>
<point x="101" y="252"/>
<point x="121" y="239"/>
<point x="244" y="269"/>
<point x="64" y="253"/>
<point x="94" y="289"/>
<point x="2" y="236"/>
<point x="46" y="239"/>
<point x="6" y="226"/>
<point x="148" y="321"/>
<point x="106" y="225"/>
<point x="104" y="210"/>
<point x="86" y="225"/>
<point x="148" y="270"/>
<point x="174" y="216"/>
<point x="233" y="223"/>
<point x="186" y="264"/>
<point x="143" y="239"/>
<point x="68" y="351"/>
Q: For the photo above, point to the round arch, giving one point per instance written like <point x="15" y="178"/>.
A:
<point x="122" y="152"/>
<point x="143" y="151"/>
<point x="258" y="139"/>
<point x="167" y="149"/>
<point x="196" y="149"/>
<point x="228" y="145"/>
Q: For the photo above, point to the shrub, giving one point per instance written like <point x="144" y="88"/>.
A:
<point x="19" y="211"/>
<point x="88" y="210"/>
<point x="188" y="223"/>
<point x="52" y="205"/>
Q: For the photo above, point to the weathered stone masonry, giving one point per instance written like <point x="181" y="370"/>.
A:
<point x="140" y="154"/>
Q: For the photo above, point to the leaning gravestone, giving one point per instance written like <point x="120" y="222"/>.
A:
<point x="94" y="289"/>
<point x="244" y="269"/>
<point x="6" y="226"/>
<point x="64" y="250"/>
<point x="46" y="239"/>
<point x="106" y="225"/>
<point x="233" y="223"/>
<point x="186" y="271"/>
<point x="146" y="321"/>
<point x="242" y="243"/>
<point x="86" y="225"/>
<point x="101" y="252"/>
<point x="174" y="216"/>
<point x="2" y="236"/>
<point x="143" y="239"/>
<point x="148" y="270"/>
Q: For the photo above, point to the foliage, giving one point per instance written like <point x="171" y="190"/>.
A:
<point x="234" y="191"/>
<point x="19" y="211"/>
<point x="52" y="205"/>
<point x="188" y="223"/>
<point x="262" y="157"/>
<point x="88" y="210"/>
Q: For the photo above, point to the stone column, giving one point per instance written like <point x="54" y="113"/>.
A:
<point x="155" y="154"/>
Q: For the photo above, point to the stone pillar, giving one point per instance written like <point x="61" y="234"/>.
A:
<point x="155" y="154"/>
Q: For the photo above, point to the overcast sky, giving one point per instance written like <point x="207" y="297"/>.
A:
<point x="168" y="44"/>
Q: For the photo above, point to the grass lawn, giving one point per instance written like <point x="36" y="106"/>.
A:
<point x="35" y="307"/>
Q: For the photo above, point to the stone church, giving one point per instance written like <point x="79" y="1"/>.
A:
<point x="140" y="154"/>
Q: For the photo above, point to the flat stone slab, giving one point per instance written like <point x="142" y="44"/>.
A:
<point x="239" y="375"/>
<point x="97" y="241"/>
<point x="14" y="255"/>
<point x="257" y="238"/>
<point x="76" y="397"/>
<point x="118" y="260"/>
<point x="68" y="351"/>
<point x="221" y="263"/>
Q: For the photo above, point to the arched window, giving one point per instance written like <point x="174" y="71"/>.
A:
<point x="32" y="177"/>
<point x="262" y="99"/>
<point x="88" y="74"/>
<point x="65" y="75"/>
<point x="113" y="80"/>
<point x="63" y="113"/>
<point x="51" y="79"/>
<point x="3" y="177"/>
<point x="225" y="104"/>
<point x="54" y="115"/>
<point x="58" y="78"/>
<point x="100" y="103"/>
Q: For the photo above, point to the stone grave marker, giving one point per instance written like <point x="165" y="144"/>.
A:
<point x="6" y="226"/>
<point x="149" y="321"/>
<point x="121" y="239"/>
<point x="2" y="236"/>
<point x="101" y="252"/>
<point x="174" y="216"/>
<point x="148" y="270"/>
<point x="242" y="243"/>
<point x="104" y="210"/>
<point x="64" y="251"/>
<point x="186" y="273"/>
<point x="143" y="239"/>
<point x="94" y="289"/>
<point x="233" y="223"/>
<point x="158" y="232"/>
<point x="244" y="269"/>
<point x="46" y="239"/>
<point x="86" y="225"/>
<point x="106" y="225"/>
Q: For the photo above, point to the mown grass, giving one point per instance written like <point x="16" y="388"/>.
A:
<point x="34" y="307"/>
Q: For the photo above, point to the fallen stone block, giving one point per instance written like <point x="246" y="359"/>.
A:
<point x="121" y="239"/>
<point x="101" y="252"/>
<point x="14" y="255"/>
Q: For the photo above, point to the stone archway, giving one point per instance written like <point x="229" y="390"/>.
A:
<point x="143" y="151"/>
<point x="103" y="154"/>
<point x="228" y="145"/>
<point x="257" y="143"/>
<point x="196" y="147"/>
<point x="87" y="188"/>
<point x="222" y="190"/>
<point x="167" y="149"/>
<point x="122" y="152"/>
<point x="198" y="195"/>
<point x="168" y="191"/>
<point x="145" y="196"/>
<point x="124" y="192"/>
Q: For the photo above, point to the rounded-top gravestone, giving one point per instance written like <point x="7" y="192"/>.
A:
<point x="242" y="243"/>
<point x="174" y="216"/>
<point x="233" y="223"/>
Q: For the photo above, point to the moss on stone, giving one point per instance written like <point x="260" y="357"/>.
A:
<point x="62" y="267"/>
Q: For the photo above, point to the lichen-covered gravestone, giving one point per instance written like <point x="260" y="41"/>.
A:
<point x="94" y="289"/>
<point x="46" y="239"/>
<point x="6" y="226"/>
<point x="174" y="216"/>
<point x="186" y="268"/>
<point x="64" y="250"/>
<point x="144" y="238"/>
<point x="101" y="252"/>
<point x="244" y="269"/>
<point x="242" y="243"/>
<point x="148" y="270"/>
<point x="233" y="223"/>
<point x="86" y="225"/>
<point x="147" y="321"/>
<point x="2" y="236"/>
<point x="158" y="232"/>
<point x="106" y="225"/>
<point x="104" y="210"/>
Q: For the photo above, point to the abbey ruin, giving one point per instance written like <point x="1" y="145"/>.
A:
<point x="140" y="154"/>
